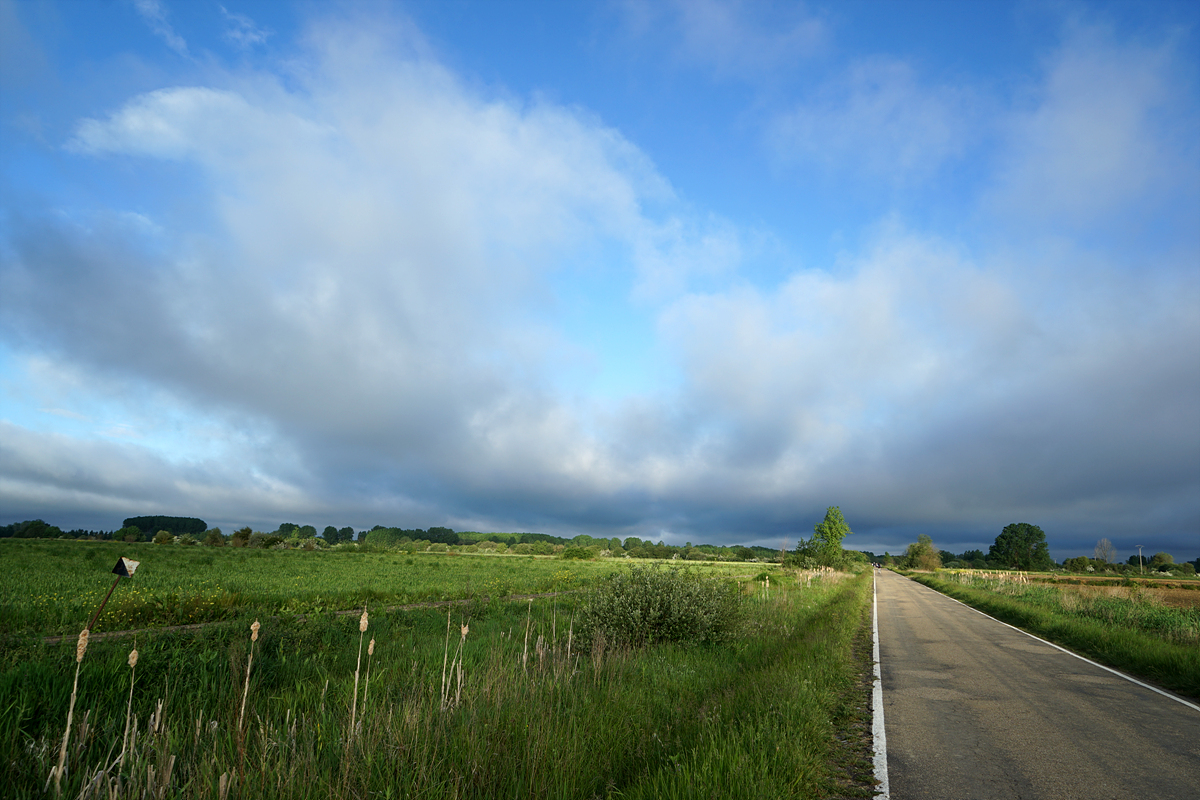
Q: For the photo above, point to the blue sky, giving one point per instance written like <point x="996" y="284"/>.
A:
<point x="683" y="271"/>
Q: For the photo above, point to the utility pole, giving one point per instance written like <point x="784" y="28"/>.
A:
<point x="1139" y="547"/>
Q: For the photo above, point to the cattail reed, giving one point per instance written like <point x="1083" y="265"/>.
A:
<point x="57" y="772"/>
<point x="362" y="631"/>
<point x="133" y="659"/>
<point x="246" y="689"/>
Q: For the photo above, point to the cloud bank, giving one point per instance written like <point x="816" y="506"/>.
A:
<point x="350" y="308"/>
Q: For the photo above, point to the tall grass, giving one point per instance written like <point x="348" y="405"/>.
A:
<point x="751" y="717"/>
<point x="1128" y="630"/>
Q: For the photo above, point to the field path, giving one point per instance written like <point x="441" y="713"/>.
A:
<point x="974" y="709"/>
<point x="348" y="612"/>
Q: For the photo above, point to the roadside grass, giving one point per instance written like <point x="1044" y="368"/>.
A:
<point x="770" y="712"/>
<point x="1133" y="633"/>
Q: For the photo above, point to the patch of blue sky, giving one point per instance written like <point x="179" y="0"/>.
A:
<point x="615" y="336"/>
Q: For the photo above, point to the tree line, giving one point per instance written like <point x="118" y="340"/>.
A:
<point x="1022" y="546"/>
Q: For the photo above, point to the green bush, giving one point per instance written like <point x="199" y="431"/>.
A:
<point x="651" y="604"/>
<point x="581" y="553"/>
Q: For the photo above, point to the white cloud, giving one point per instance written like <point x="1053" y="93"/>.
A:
<point x="243" y="31"/>
<point x="156" y="17"/>
<point x="748" y="39"/>
<point x="1108" y="139"/>
<point x="876" y="120"/>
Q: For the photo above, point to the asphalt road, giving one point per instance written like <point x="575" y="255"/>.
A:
<point x="975" y="710"/>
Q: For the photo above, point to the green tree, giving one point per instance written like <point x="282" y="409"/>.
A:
<point x="214" y="538"/>
<point x="1076" y="564"/>
<point x="922" y="554"/>
<point x="306" y="532"/>
<point x="1161" y="560"/>
<point x="130" y="533"/>
<point x="241" y="537"/>
<point x="828" y="536"/>
<point x="1021" y="546"/>
<point x="163" y="537"/>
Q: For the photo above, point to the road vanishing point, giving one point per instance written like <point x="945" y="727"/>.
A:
<point x="977" y="710"/>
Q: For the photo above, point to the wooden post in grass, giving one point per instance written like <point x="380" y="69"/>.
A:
<point x="124" y="569"/>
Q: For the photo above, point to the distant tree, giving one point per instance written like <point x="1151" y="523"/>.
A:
<point x="287" y="528"/>
<point x="345" y="534"/>
<point x="173" y="525"/>
<point x="632" y="542"/>
<point x="241" y="537"/>
<point x="946" y="556"/>
<point x="130" y="533"/>
<point x="306" y="532"/>
<point x="1077" y="564"/>
<point x="922" y="554"/>
<point x="1021" y="546"/>
<point x="330" y="534"/>
<point x="163" y="537"/>
<point x="1161" y="560"/>
<point x="31" y="529"/>
<point x="1105" y="553"/>
<point x="214" y="538"/>
<point x="743" y="553"/>
<point x="831" y="531"/>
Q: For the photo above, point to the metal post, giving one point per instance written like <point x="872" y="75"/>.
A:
<point x="102" y="602"/>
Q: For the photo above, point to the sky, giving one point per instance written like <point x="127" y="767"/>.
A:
<point x="686" y="271"/>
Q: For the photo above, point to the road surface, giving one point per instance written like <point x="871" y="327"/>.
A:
<point x="975" y="710"/>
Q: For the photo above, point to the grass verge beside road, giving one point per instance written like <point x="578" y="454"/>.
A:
<point x="1126" y="631"/>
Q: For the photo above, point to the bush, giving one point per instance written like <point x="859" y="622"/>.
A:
<point x="580" y="553"/>
<point x="214" y="538"/>
<point x="163" y="537"/>
<point x="651" y="604"/>
<point x="264" y="540"/>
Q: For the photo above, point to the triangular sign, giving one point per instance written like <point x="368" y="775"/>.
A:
<point x="126" y="567"/>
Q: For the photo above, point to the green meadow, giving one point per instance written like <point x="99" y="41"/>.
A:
<point x="732" y="685"/>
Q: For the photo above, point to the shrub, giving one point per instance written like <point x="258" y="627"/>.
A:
<point x="163" y="537"/>
<point x="187" y="539"/>
<point x="214" y="538"/>
<point x="264" y="540"/>
<point x="581" y="553"/>
<point x="651" y="604"/>
<point x="241" y="537"/>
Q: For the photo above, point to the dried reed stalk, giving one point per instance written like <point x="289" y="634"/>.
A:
<point x="57" y="772"/>
<point x="133" y="659"/>
<point x="246" y="689"/>
<point x="362" y="631"/>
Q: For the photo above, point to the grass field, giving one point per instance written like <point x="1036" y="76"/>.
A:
<point x="1129" y="627"/>
<point x="51" y="587"/>
<point x="497" y="699"/>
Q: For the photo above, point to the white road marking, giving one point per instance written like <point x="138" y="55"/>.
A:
<point x="882" y="791"/>
<point x="1065" y="650"/>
